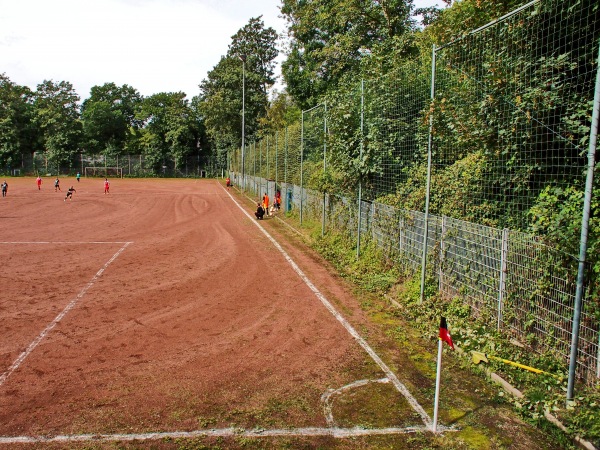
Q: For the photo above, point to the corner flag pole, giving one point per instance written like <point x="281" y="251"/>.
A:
<point x="437" y="385"/>
<point x="444" y="336"/>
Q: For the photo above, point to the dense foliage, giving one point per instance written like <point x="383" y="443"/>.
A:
<point x="330" y="39"/>
<point x="109" y="116"/>
<point x="18" y="133"/>
<point x="57" y="116"/>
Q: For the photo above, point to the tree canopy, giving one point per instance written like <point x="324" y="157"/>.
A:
<point x="330" y="39"/>
<point x="18" y="134"/>
<point x="243" y="75"/>
<point x="109" y="115"/>
<point x="57" y="115"/>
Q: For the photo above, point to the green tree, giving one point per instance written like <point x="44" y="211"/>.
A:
<point x="252" y="52"/>
<point x="330" y="39"/>
<point x="203" y="144"/>
<point x="170" y="129"/>
<point x="282" y="112"/>
<point x="18" y="133"/>
<point x="109" y="118"/>
<point x="256" y="44"/>
<point x="57" y="115"/>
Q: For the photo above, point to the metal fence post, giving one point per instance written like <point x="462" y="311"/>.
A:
<point x="598" y="358"/>
<point x="324" y="166"/>
<point x="260" y="168"/>
<point x="589" y="184"/>
<point x="441" y="274"/>
<point x="503" y="268"/>
<point x="401" y="237"/>
<point x="362" y="140"/>
<point x="254" y="174"/>
<point x="428" y="182"/>
<point x="285" y="156"/>
<point x="301" y="167"/>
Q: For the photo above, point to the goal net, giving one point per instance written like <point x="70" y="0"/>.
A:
<point x="106" y="172"/>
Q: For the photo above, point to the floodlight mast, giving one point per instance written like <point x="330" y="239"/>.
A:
<point x="243" y="59"/>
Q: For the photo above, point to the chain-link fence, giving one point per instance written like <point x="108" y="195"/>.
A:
<point x="481" y="149"/>
<point x="118" y="165"/>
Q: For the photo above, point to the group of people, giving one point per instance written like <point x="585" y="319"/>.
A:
<point x="57" y="188"/>
<point x="263" y="208"/>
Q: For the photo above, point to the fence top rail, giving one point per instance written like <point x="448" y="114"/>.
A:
<point x="314" y="107"/>
<point x="487" y="25"/>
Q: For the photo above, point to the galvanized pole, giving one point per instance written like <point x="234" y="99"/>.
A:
<point x="254" y="152"/>
<point x="243" y="58"/>
<point x="324" y="166"/>
<point x="584" y="232"/>
<point x="362" y="140"/>
<point x="260" y="172"/>
<point x="301" y="167"/>
<point x="503" y="270"/>
<point x="428" y="189"/>
<point x="285" y="156"/>
<point x="441" y="273"/>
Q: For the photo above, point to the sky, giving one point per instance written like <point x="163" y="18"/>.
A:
<point x="151" y="45"/>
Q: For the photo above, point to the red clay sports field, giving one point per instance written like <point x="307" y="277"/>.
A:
<point x="165" y="311"/>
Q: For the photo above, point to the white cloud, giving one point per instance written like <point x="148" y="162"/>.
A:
<point x="152" y="45"/>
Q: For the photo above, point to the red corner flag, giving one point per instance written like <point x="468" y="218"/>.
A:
<point x="444" y="334"/>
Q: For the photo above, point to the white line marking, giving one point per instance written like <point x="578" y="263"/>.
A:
<point x="393" y="378"/>
<point x="218" y="432"/>
<point x="15" y="365"/>
<point x="329" y="392"/>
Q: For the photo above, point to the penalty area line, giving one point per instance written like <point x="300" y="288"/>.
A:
<point x="17" y="363"/>
<point x="361" y="341"/>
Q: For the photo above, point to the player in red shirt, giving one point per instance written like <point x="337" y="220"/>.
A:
<point x="278" y="200"/>
<point x="106" y="186"/>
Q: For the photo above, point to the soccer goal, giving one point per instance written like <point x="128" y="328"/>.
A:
<point x="112" y="172"/>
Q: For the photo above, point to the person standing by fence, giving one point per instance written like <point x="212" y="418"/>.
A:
<point x="277" y="202"/>
<point x="4" y="188"/>
<point x="266" y="203"/>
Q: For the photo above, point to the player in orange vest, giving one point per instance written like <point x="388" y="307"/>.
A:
<point x="266" y="203"/>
